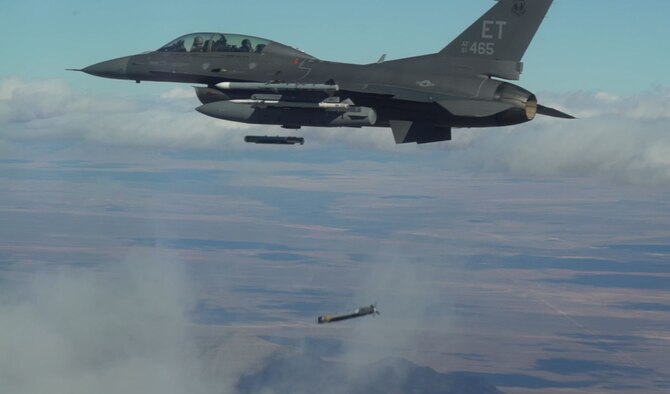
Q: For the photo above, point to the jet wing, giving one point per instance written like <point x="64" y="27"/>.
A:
<point x="457" y="106"/>
<point x="402" y="93"/>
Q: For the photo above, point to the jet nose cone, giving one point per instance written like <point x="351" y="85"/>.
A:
<point x="115" y="68"/>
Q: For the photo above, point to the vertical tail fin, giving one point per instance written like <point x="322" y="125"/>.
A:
<point x="502" y="33"/>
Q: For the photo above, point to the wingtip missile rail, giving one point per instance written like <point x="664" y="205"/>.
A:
<point x="276" y="87"/>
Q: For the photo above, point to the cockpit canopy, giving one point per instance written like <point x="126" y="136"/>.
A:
<point x="216" y="42"/>
<point x="226" y="43"/>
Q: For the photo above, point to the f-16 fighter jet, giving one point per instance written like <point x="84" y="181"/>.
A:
<point x="255" y="80"/>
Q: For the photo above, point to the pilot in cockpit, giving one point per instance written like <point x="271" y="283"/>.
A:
<point x="246" y="46"/>
<point x="198" y="45"/>
<point x="220" y="45"/>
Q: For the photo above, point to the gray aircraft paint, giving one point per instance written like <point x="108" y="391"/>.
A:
<point x="420" y="98"/>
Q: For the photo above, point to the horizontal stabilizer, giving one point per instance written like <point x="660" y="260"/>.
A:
<point x="546" y="111"/>
<point x="419" y="132"/>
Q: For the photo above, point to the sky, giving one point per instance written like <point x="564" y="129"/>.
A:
<point x="533" y="256"/>
<point x="615" y="46"/>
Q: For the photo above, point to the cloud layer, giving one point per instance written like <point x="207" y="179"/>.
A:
<point x="615" y="137"/>
<point x="80" y="331"/>
<point x="49" y="109"/>
<point x="621" y="138"/>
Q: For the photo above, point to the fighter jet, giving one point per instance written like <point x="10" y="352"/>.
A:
<point x="360" y="312"/>
<point x="255" y="80"/>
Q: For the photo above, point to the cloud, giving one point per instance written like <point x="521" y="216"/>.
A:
<point x="406" y="296"/>
<point x="50" y="110"/>
<point x="22" y="102"/>
<point x="179" y="94"/>
<point x="121" y="331"/>
<point x="622" y="138"/>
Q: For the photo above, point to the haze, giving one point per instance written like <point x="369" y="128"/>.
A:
<point x="146" y="248"/>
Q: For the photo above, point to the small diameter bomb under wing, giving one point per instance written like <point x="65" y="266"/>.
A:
<point x="360" y="312"/>
<point x="276" y="140"/>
